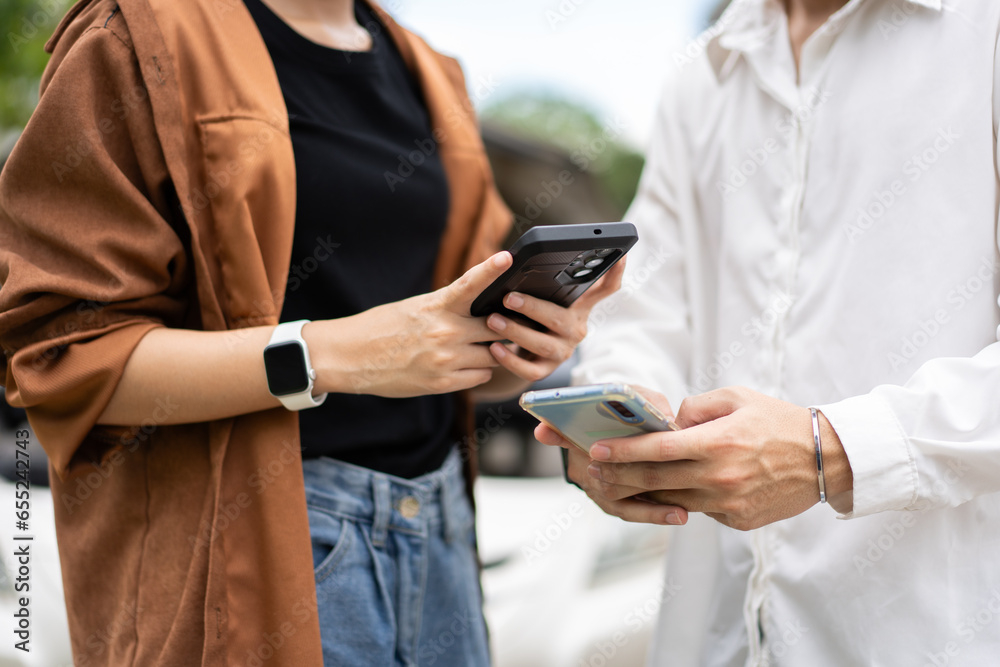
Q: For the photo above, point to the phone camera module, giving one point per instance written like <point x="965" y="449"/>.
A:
<point x="621" y="409"/>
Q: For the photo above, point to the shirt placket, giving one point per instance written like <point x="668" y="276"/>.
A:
<point x="800" y="100"/>
<point x="774" y="77"/>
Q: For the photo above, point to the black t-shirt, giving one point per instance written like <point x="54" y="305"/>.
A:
<point x="362" y="237"/>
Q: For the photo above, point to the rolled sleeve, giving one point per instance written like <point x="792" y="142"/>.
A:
<point x="90" y="256"/>
<point x="885" y="474"/>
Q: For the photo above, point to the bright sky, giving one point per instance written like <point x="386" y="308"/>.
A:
<point x="611" y="55"/>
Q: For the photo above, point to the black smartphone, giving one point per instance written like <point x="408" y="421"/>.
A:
<point x="557" y="263"/>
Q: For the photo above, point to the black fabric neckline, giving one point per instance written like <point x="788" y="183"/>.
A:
<point x="297" y="44"/>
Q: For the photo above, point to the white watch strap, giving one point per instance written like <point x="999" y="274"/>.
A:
<point x="292" y="332"/>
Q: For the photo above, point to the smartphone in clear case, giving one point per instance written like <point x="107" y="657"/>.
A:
<point x="586" y="414"/>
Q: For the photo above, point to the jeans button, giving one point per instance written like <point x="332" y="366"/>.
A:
<point x="409" y="507"/>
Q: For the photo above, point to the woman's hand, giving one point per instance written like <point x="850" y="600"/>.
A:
<point x="427" y="344"/>
<point x="531" y="354"/>
<point x="430" y="344"/>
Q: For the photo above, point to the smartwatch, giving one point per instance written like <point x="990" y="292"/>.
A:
<point x="290" y="376"/>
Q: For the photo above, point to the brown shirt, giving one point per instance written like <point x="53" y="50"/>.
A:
<point x="155" y="186"/>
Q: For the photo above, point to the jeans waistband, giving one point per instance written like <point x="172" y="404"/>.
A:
<point x="429" y="504"/>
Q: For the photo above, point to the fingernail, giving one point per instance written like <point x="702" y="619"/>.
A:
<point x="594" y="471"/>
<point x="497" y="322"/>
<point x="499" y="260"/>
<point x="514" y="300"/>
<point x="674" y="519"/>
<point x="600" y="452"/>
<point x="499" y="350"/>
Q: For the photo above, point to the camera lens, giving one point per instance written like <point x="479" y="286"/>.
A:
<point x="604" y="252"/>
<point x="582" y="272"/>
<point x="594" y="263"/>
<point x="621" y="409"/>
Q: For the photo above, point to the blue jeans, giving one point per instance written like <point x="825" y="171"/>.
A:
<point x="397" y="580"/>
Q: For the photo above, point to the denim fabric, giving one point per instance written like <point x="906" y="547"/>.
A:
<point x="397" y="581"/>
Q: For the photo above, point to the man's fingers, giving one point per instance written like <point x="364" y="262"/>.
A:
<point x="640" y="511"/>
<point x="576" y="469"/>
<point x="460" y="294"/>
<point x="547" y="435"/>
<point x="656" y="398"/>
<point x="708" y="406"/>
<point x="694" y="500"/>
<point x="688" y="444"/>
<point x="579" y="471"/>
<point x="648" y="476"/>
<point x="614" y="491"/>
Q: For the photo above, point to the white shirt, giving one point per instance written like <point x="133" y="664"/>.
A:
<point x="833" y="243"/>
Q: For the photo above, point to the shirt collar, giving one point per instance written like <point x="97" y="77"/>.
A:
<point x="748" y="24"/>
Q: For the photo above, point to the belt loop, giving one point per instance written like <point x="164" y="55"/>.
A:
<point x="383" y="508"/>
<point x="448" y="507"/>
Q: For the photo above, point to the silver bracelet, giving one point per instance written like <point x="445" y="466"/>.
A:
<point x="819" y="456"/>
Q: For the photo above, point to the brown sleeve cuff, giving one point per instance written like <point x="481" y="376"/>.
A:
<point x="65" y="386"/>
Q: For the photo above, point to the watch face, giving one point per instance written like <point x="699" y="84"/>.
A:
<point x="285" y="364"/>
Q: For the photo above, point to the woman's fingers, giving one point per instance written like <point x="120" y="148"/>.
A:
<point x="608" y="284"/>
<point x="530" y="370"/>
<point x="459" y="295"/>
<point x="544" y="345"/>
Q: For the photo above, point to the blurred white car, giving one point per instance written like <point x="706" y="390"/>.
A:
<point x="565" y="584"/>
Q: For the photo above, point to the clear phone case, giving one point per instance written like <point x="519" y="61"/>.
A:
<point x="586" y="414"/>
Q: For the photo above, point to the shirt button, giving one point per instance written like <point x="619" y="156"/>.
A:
<point x="409" y="507"/>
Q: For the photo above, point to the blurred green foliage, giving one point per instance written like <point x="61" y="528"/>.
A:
<point x="25" y="25"/>
<point x="593" y="145"/>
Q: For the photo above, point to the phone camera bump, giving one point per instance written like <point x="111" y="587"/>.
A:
<point x="621" y="409"/>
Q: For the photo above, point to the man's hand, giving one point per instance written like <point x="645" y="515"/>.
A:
<point x="620" y="502"/>
<point x="743" y="458"/>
